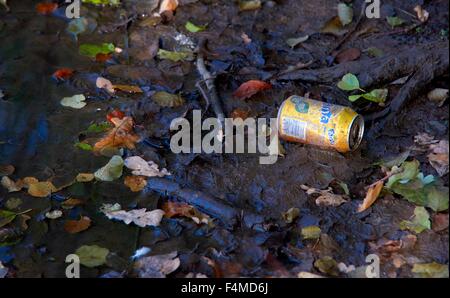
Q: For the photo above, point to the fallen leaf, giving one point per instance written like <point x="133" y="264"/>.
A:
<point x="174" y="55"/>
<point x="6" y="170"/>
<point x="71" y="202"/>
<point x="438" y="95"/>
<point x="422" y="14"/>
<point x="165" y="99"/>
<point x="46" y="8"/>
<point x="250" y="88"/>
<point x="116" y="113"/>
<point x="106" y="84"/>
<point x="75" y="102"/>
<point x="102" y="58"/>
<point x="121" y="135"/>
<point x="172" y="209"/>
<point x="92" y="255"/>
<point x="191" y="27"/>
<point x="389" y="163"/>
<point x="63" y="74"/>
<point x="6" y="217"/>
<point x="10" y="185"/>
<point x="395" y="21"/>
<point x="135" y="183"/>
<point x="419" y="223"/>
<point x="239" y="113"/>
<point x="334" y="27"/>
<point x="139" y="217"/>
<point x="440" y="222"/>
<point x="374" y="52"/>
<point x="91" y="50"/>
<point x="54" y="214"/>
<point x="141" y="167"/>
<point x="128" y="88"/>
<point x="410" y="170"/>
<point x="76" y="226"/>
<point x="430" y="270"/>
<point x="13" y="203"/>
<point x="326" y="197"/>
<point x="293" y="42"/>
<point x="327" y="265"/>
<point x="349" y="82"/>
<point x="84" y="177"/>
<point x="290" y="215"/>
<point x="245" y="5"/>
<point x="41" y="189"/>
<point x="424" y="139"/>
<point x="84" y="146"/>
<point x="372" y="194"/>
<point x="438" y="157"/>
<point x="311" y="232"/>
<point x="345" y="13"/>
<point x="347" y="55"/>
<point x="157" y="266"/>
<point x="168" y="5"/>
<point x="111" y="171"/>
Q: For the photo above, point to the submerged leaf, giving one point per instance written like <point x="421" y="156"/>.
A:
<point x="173" y="209"/>
<point x="75" y="102"/>
<point x="140" y="217"/>
<point x="135" y="183"/>
<point x="121" y="135"/>
<point x="395" y="21"/>
<point x="165" y="99"/>
<point x="76" y="226"/>
<point x="63" y="74"/>
<point x="430" y="270"/>
<point x="334" y="26"/>
<point x="41" y="189"/>
<point x="128" y="88"/>
<point x="175" y="56"/>
<point x="157" y="266"/>
<point x="347" y="55"/>
<point x="345" y="13"/>
<point x="141" y="167"/>
<point x="92" y="255"/>
<point x="290" y="215"/>
<point x="419" y="223"/>
<point x="111" y="171"/>
<point x="250" y="88"/>
<point x="46" y="8"/>
<point x="327" y="265"/>
<point x="106" y="84"/>
<point x="91" y="50"/>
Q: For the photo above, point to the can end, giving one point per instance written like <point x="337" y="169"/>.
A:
<point x="356" y="132"/>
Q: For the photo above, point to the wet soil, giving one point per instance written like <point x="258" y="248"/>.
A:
<point x="37" y="136"/>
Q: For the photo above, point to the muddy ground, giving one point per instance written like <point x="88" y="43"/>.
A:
<point x="37" y="137"/>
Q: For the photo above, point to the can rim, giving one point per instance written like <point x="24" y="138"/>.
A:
<point x="357" y="123"/>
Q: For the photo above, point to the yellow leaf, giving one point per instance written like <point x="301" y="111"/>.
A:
<point x="372" y="194"/>
<point x="41" y="189"/>
<point x="84" y="177"/>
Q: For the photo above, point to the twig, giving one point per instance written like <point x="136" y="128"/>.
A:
<point x="290" y="69"/>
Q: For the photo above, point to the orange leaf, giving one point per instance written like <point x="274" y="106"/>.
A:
<point x="63" y="74"/>
<point x="135" y="183"/>
<point x="250" y="88"/>
<point x="76" y="226"/>
<point x="128" y="88"/>
<point x="46" y="8"/>
<point x="121" y="135"/>
<point x="116" y="113"/>
<point x="168" y="5"/>
<point x="172" y="209"/>
<point x="100" y="57"/>
<point x="239" y="113"/>
<point x="372" y="194"/>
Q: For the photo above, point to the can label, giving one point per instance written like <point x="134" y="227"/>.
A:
<point x="319" y="123"/>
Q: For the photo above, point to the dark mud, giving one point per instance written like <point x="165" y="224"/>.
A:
<point x="37" y="136"/>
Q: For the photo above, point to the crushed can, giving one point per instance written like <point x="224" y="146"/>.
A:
<point x="319" y="123"/>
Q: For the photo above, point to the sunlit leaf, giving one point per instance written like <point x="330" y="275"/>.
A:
<point x="419" y="223"/>
<point x="349" y="82"/>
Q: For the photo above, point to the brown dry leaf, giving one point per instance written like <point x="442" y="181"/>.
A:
<point x="423" y="139"/>
<point x="168" y="5"/>
<point x="440" y="222"/>
<point x="422" y="14"/>
<point x="121" y="135"/>
<point x="348" y="55"/>
<point x="334" y="26"/>
<point x="438" y="157"/>
<point x="6" y="170"/>
<point x="106" y="84"/>
<point x="239" y="113"/>
<point x="76" y="226"/>
<point x="172" y="209"/>
<point x="41" y="189"/>
<point x="135" y="183"/>
<point x="372" y="194"/>
<point x="326" y="197"/>
<point x="84" y="177"/>
<point x="128" y="88"/>
<point x="71" y="202"/>
<point x="10" y="185"/>
<point x="157" y="266"/>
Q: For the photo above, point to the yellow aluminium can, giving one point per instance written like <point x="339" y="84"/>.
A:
<point x="319" y="123"/>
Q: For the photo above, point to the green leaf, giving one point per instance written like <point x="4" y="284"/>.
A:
<point x="191" y="27"/>
<point x="165" y="99"/>
<point x="99" y="127"/>
<point x="430" y="270"/>
<point x="349" y="82"/>
<point x="293" y="42"/>
<point x="91" y="50"/>
<point x="437" y="198"/>
<point x="429" y="195"/>
<point x="111" y="171"/>
<point x="353" y="98"/>
<point x="92" y="255"/>
<point x="419" y="223"/>
<point x="345" y="13"/>
<point x="84" y="146"/>
<point x="327" y="265"/>
<point x="395" y="21"/>
<point x="175" y="56"/>
<point x="410" y="171"/>
<point x="290" y="215"/>
<point x="374" y="52"/>
<point x="377" y="95"/>
<point x="6" y="217"/>
<point x="311" y="232"/>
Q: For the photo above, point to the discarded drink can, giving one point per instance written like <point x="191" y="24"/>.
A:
<point x="319" y="123"/>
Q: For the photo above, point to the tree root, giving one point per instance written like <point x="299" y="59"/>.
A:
<point x="423" y="63"/>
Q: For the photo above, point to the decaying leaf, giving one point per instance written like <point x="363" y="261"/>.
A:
<point x="311" y="232"/>
<point x="10" y="185"/>
<point x="174" y="55"/>
<point x="77" y="101"/>
<point x="168" y="5"/>
<point x="71" y="202"/>
<point x="250" y="88"/>
<point x="63" y="74"/>
<point x="7" y="216"/>
<point x="249" y="5"/>
<point x="116" y="113"/>
<point x="84" y="177"/>
<point x="347" y="55"/>
<point x="41" y="189"/>
<point x="239" y="113"/>
<point x="334" y="27"/>
<point x="326" y="197"/>
<point x="135" y="183"/>
<point x="293" y="42"/>
<point x="6" y="170"/>
<point x="139" y="217"/>
<point x="438" y="95"/>
<point x="345" y="13"/>
<point x="165" y="99"/>
<point x="141" y="167"/>
<point x="439" y="157"/>
<point x="128" y="88"/>
<point x="76" y="226"/>
<point x="111" y="171"/>
<point x="430" y="270"/>
<point x="440" y="222"/>
<point x="54" y="214"/>
<point x="46" y="8"/>
<point x="422" y="14"/>
<point x="290" y="215"/>
<point x="419" y="223"/>
<point x="172" y="209"/>
<point x="395" y="21"/>
<point x="157" y="266"/>
<point x="92" y="255"/>
<point x="372" y="194"/>
<point x="121" y="135"/>
<point x="106" y="84"/>
<point x="327" y="265"/>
